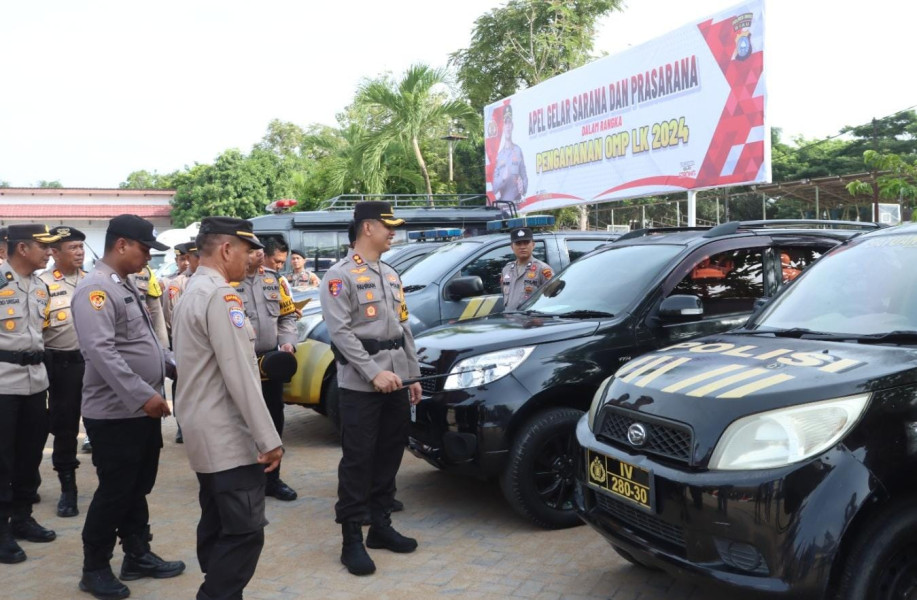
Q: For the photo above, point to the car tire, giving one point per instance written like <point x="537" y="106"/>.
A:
<point x="882" y="564"/>
<point x="630" y="558"/>
<point x="538" y="482"/>
<point x="330" y="401"/>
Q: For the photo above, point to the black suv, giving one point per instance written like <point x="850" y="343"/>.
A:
<point x="779" y="457"/>
<point x="506" y="391"/>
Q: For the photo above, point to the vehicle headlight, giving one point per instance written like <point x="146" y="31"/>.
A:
<point x="784" y="436"/>
<point x="485" y="368"/>
<point x="598" y="401"/>
<point x="305" y="325"/>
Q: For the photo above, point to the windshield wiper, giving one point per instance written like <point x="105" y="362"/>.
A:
<point x="899" y="336"/>
<point x="793" y="332"/>
<point x="584" y="314"/>
<point x="528" y="313"/>
<point x="414" y="288"/>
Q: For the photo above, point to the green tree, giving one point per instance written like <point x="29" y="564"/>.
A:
<point x="5" y="184"/>
<point x="524" y="43"/>
<point x="411" y="112"/>
<point x="896" y="179"/>
<point x="144" y="180"/>
<point x="50" y="184"/>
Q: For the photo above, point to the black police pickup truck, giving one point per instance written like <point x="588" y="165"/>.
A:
<point x="780" y="457"/>
<point x="507" y="390"/>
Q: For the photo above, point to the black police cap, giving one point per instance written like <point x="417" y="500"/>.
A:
<point x="135" y="228"/>
<point x="520" y="234"/>
<point x="277" y="366"/>
<point x="183" y="248"/>
<point x="378" y="211"/>
<point x="68" y="234"/>
<point x="230" y="226"/>
<point x="30" y="232"/>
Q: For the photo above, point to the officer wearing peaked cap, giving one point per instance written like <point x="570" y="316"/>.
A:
<point x="521" y="277"/>
<point x="23" y="414"/>
<point x="363" y="305"/>
<point x="64" y="361"/>
<point x="2" y="245"/>
<point x="229" y="433"/>
<point x="123" y="404"/>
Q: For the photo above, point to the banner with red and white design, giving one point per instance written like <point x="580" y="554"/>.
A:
<point x="685" y="111"/>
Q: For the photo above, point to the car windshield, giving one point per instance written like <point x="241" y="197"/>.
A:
<point x="607" y="282"/>
<point x="866" y="288"/>
<point x="430" y="266"/>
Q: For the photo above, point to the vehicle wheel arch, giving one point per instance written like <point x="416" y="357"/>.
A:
<point x="568" y="396"/>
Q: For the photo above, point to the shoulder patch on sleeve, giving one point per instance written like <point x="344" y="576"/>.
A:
<point x="547" y="272"/>
<point x="335" y="286"/>
<point x="97" y="299"/>
<point x="232" y="298"/>
<point x="237" y="317"/>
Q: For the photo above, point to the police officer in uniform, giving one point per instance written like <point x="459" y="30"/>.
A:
<point x="510" y="178"/>
<point x="2" y="245"/>
<point x="230" y="435"/>
<point x="64" y="361"/>
<point x="177" y="284"/>
<point x="123" y="404"/>
<point x="182" y="261"/>
<point x="521" y="277"/>
<point x="23" y="413"/>
<point x="269" y="307"/>
<point x="363" y="305"/>
<point x="299" y="275"/>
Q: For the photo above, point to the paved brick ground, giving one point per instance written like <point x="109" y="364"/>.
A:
<point x="472" y="545"/>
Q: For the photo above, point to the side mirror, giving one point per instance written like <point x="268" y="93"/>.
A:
<point x="464" y="287"/>
<point x="681" y="305"/>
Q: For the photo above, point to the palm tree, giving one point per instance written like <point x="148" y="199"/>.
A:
<point x="407" y="112"/>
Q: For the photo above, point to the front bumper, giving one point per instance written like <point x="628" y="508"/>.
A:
<point x="776" y="531"/>
<point x="465" y="430"/>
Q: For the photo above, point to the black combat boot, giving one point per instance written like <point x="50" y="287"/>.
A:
<point x="383" y="535"/>
<point x="103" y="584"/>
<point x="24" y="527"/>
<point x="140" y="561"/>
<point x="66" y="506"/>
<point x="10" y="552"/>
<point x="353" y="554"/>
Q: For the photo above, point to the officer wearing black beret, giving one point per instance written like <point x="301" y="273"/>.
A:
<point x="64" y="361"/>
<point x="24" y="314"/>
<point x="363" y="305"/>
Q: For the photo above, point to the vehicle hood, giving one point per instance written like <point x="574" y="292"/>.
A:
<point x="497" y="333"/>
<point x="708" y="384"/>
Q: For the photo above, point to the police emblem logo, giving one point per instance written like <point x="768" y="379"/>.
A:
<point x="10" y="325"/>
<point x="371" y="311"/>
<point x="547" y="273"/>
<point x="597" y="471"/>
<point x="741" y="25"/>
<point x="335" y="286"/>
<point x="173" y="292"/>
<point x="61" y="316"/>
<point x="530" y="275"/>
<point x="369" y="295"/>
<point x="97" y="299"/>
<point x="10" y="311"/>
<point x="237" y="317"/>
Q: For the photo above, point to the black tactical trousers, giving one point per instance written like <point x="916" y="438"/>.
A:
<point x="273" y="397"/>
<point x="125" y="453"/>
<point x="230" y="534"/>
<point x="373" y="437"/>
<point x="65" y="372"/>
<point x="23" y="433"/>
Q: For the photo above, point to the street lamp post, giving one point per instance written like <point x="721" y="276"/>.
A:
<point x="452" y="138"/>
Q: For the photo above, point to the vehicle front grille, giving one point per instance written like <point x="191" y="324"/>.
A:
<point x="642" y="521"/>
<point x="668" y="439"/>
<point x="430" y="386"/>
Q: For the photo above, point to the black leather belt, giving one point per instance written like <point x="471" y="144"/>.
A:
<point x="22" y="357"/>
<point x="371" y="346"/>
